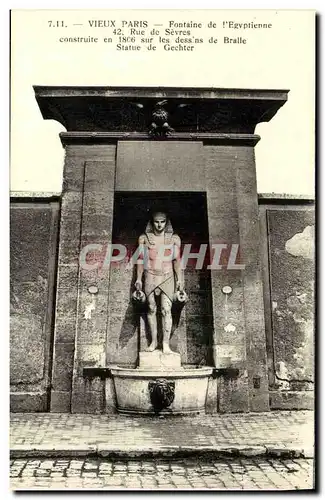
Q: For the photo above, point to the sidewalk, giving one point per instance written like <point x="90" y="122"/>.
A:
<point x="273" y="434"/>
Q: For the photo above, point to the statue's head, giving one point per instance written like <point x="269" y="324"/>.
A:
<point x="159" y="221"/>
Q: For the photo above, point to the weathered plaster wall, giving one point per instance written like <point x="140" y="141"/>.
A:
<point x="33" y="241"/>
<point x="291" y="234"/>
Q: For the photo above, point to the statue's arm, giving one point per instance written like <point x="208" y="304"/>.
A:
<point x="177" y="262"/>
<point x="140" y="267"/>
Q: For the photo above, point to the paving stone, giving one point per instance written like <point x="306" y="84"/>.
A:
<point x="73" y="436"/>
<point x="272" y="432"/>
<point x="272" y="475"/>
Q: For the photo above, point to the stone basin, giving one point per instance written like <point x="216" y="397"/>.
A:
<point x="161" y="391"/>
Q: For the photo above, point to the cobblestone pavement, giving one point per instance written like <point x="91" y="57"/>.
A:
<point x="235" y="474"/>
<point x="262" y="432"/>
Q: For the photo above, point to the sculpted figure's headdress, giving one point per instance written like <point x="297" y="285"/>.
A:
<point x="168" y="229"/>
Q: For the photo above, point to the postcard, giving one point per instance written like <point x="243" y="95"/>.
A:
<point x="162" y="249"/>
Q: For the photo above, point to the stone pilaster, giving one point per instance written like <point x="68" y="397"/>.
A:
<point x="66" y="293"/>
<point x="229" y="336"/>
<point x="93" y="284"/>
<point x="84" y="207"/>
<point x="249" y="232"/>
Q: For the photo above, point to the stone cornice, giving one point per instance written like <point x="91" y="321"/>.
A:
<point x="113" y="137"/>
<point x="160" y="111"/>
<point x="263" y="198"/>
<point x="160" y="92"/>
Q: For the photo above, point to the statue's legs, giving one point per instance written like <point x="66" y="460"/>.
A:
<point x="152" y="321"/>
<point x="167" y="321"/>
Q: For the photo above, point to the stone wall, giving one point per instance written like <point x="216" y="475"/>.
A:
<point x="33" y="246"/>
<point x="289" y="251"/>
<point x="287" y="236"/>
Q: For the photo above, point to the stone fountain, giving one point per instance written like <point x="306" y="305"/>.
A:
<point x="193" y="149"/>
<point x="160" y="384"/>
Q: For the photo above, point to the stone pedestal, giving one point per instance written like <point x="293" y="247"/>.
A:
<point x="157" y="360"/>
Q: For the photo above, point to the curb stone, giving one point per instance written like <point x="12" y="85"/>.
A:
<point x="109" y="452"/>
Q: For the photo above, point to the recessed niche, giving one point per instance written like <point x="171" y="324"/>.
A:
<point x="188" y="215"/>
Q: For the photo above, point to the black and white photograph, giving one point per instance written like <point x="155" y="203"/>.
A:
<point x="162" y="250"/>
